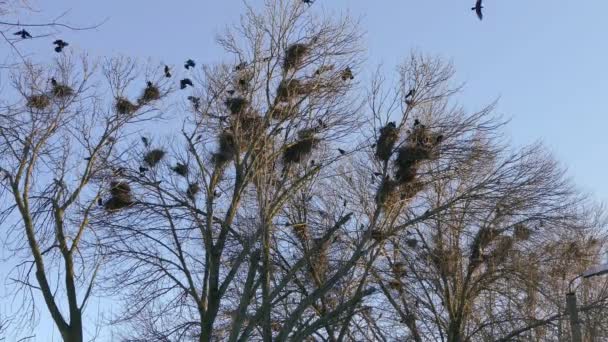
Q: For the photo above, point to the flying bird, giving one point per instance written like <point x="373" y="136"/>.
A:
<point x="477" y="9"/>
<point x="189" y="64"/>
<point x="342" y="152"/>
<point x="23" y="34"/>
<point x="60" y="44"/>
<point x="167" y="71"/>
<point x="184" y="83"/>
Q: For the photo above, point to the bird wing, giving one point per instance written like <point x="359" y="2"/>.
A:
<point x="478" y="3"/>
<point x="479" y="14"/>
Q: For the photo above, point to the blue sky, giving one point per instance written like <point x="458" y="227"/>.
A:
<point x="546" y="60"/>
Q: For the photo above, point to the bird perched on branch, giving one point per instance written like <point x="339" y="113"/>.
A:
<point x="23" y="34"/>
<point x="185" y="82"/>
<point x="60" y="44"/>
<point x="189" y="64"/>
<point x="477" y="9"/>
<point x="308" y="2"/>
<point x="167" y="71"/>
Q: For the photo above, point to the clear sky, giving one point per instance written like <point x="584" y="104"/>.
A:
<point x="545" y="59"/>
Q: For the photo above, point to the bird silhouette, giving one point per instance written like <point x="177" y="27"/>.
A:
<point x="189" y="64"/>
<point x="231" y="92"/>
<point x="196" y="101"/>
<point x="240" y="66"/>
<point x="342" y="152"/>
<point x="145" y="141"/>
<point x="184" y="83"/>
<point x="477" y="9"/>
<point x="53" y="81"/>
<point x="23" y="34"/>
<point x="99" y="202"/>
<point x="167" y="71"/>
<point x="308" y="2"/>
<point x="347" y="74"/>
<point x="410" y="93"/>
<point x="60" y="44"/>
<point x="416" y="122"/>
<point x="143" y="169"/>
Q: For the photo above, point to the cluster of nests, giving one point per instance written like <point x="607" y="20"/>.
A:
<point x="43" y="100"/>
<point x="120" y="191"/>
<point x="501" y="245"/>
<point x="150" y="94"/>
<point x="318" y="261"/>
<point x="421" y="145"/>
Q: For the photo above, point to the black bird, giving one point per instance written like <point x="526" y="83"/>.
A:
<point x="216" y="193"/>
<point x="189" y="64"/>
<point x="167" y="71"/>
<point x="196" y="101"/>
<point x="240" y="66"/>
<point x="231" y="92"/>
<point x="87" y="158"/>
<point x="53" y="81"/>
<point x="344" y="204"/>
<point x="60" y="44"/>
<point x="347" y="74"/>
<point x="143" y="169"/>
<point x="377" y="174"/>
<point x="342" y="152"/>
<point x="416" y="122"/>
<point x="477" y="9"/>
<point x="439" y="138"/>
<point x="308" y="2"/>
<point x="99" y="202"/>
<point x="410" y="93"/>
<point x="145" y="141"/>
<point x="184" y="83"/>
<point x="23" y="34"/>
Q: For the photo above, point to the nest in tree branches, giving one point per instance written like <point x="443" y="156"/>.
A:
<point x="389" y="135"/>
<point x="410" y="155"/>
<point x="412" y="243"/>
<point x="394" y="284"/>
<point x="236" y="105"/>
<point x="62" y="90"/>
<point x="248" y="128"/>
<point x="151" y="93"/>
<point x="378" y="235"/>
<point x="406" y="174"/>
<point x="226" y="148"/>
<point x="124" y="106"/>
<point x="289" y="89"/>
<point x="39" y="101"/>
<point x="300" y="230"/>
<point x="521" y="232"/>
<point x="387" y="194"/>
<point x="153" y="157"/>
<point x="410" y="189"/>
<point x="180" y="169"/>
<point x="294" y="56"/>
<point x="193" y="190"/>
<point x="121" y="196"/>
<point x="302" y="148"/>
<point x="399" y="269"/>
<point x="284" y="112"/>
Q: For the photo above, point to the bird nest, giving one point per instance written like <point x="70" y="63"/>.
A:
<point x="387" y="194"/>
<point x="124" y="106"/>
<point x="294" y="56"/>
<point x="236" y="105"/>
<point x="247" y="128"/>
<point x="226" y="148"/>
<point x="153" y="157"/>
<point x="121" y="196"/>
<point x="300" y="230"/>
<point x="410" y="189"/>
<point x="303" y="147"/>
<point x="39" y="101"/>
<point x="193" y="190"/>
<point x="521" y="232"/>
<point x="151" y="93"/>
<point x="389" y="135"/>
<point x="62" y="90"/>
<point x="411" y="243"/>
<point x="289" y="89"/>
<point x="284" y="112"/>
<point x="180" y="169"/>
<point x="399" y="269"/>
<point x="378" y="235"/>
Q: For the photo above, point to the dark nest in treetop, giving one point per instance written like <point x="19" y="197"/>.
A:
<point x="412" y="243"/>
<point x="153" y="157"/>
<point x="410" y="189"/>
<point x="284" y="112"/>
<point x="236" y="105"/>
<point x="394" y="284"/>
<point x="180" y="169"/>
<point x="248" y="128"/>
<point x="121" y="196"/>
<point x="226" y="148"/>
<point x="193" y="190"/>
<point x="399" y="269"/>
<point x="378" y="235"/>
<point x="521" y="232"/>
<point x="302" y="148"/>
<point x="387" y="193"/>
<point x="151" y="93"/>
<point x="289" y="89"/>
<point x="62" y="90"/>
<point x="40" y="101"/>
<point x="300" y="230"/>
<point x="124" y="106"/>
<point x="389" y="135"/>
<point x="294" y="56"/>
